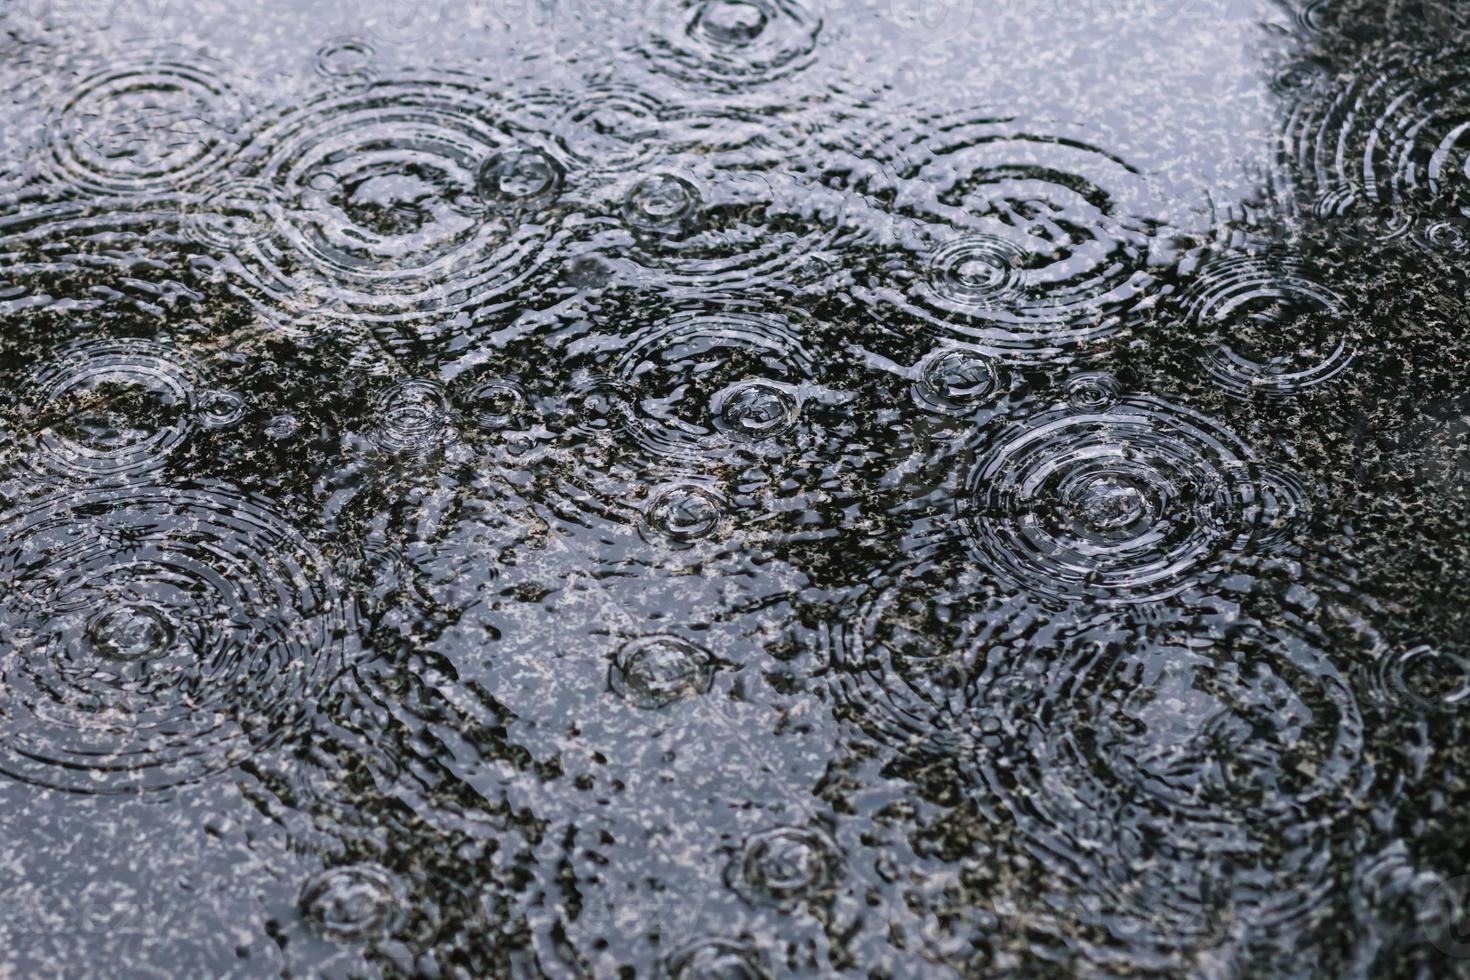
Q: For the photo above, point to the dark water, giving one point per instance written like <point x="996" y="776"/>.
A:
<point x="742" y="488"/>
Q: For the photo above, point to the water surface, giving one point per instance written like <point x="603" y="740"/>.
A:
<point x="734" y="488"/>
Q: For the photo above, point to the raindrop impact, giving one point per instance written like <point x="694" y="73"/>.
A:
<point x="357" y="903"/>
<point x="657" y="671"/>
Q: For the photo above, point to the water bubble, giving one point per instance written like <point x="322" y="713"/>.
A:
<point x="357" y="903"/>
<point x="520" y="177"/>
<point x="683" y="512"/>
<point x="346" y="58"/>
<point x="111" y="408"/>
<point x="130" y="632"/>
<point x="220" y="408"/>
<point x="656" y="671"/>
<point x="787" y="866"/>
<point x="664" y="204"/>
<point x="1126" y="503"/>
<point x="715" y="958"/>
<point x="413" y="417"/>
<point x="150" y="121"/>
<point x="730" y="22"/>
<point x="599" y="402"/>
<point x="1092" y="391"/>
<point x="1280" y="331"/>
<point x="756" y="410"/>
<point x="953" y="380"/>
<point x="157" y="636"/>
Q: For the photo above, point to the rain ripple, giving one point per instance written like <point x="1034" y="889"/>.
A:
<point x="355" y="903"/>
<point x="403" y="199"/>
<point x="1215" y="754"/>
<point x="1023" y="237"/>
<point x="714" y="957"/>
<point x="1134" y="501"/>
<point x="1387" y="148"/>
<point x="151" y="120"/>
<point x="729" y="45"/>
<point x="786" y="867"/>
<point x="1270" y="328"/>
<point x="113" y="408"/>
<point x="157" y="636"/>
<point x="701" y="385"/>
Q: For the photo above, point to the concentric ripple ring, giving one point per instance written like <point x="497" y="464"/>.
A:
<point x="157" y="636"/>
<point x="1131" y="502"/>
